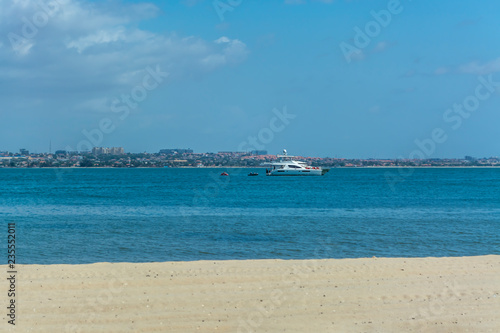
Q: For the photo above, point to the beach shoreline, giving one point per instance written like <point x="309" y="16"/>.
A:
<point x="446" y="294"/>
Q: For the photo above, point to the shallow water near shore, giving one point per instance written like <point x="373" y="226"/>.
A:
<point x="79" y="216"/>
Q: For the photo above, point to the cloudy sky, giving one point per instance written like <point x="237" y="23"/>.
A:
<point x="321" y="78"/>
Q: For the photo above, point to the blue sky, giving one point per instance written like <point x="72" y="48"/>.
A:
<point x="223" y="75"/>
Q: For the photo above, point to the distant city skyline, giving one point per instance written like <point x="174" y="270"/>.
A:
<point x="122" y="150"/>
<point x="352" y="79"/>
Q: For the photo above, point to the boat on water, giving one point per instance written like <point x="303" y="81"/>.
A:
<point x="253" y="174"/>
<point x="224" y="174"/>
<point x="287" y="165"/>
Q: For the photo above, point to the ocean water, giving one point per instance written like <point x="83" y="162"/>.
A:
<point x="76" y="216"/>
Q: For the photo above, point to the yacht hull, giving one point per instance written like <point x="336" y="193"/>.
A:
<point x="287" y="166"/>
<point x="288" y="172"/>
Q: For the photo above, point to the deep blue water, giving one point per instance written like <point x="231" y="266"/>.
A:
<point x="143" y="215"/>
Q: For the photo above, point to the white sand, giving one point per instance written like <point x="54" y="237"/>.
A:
<point x="349" y="295"/>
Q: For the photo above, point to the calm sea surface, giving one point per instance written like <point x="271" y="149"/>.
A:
<point x="143" y="215"/>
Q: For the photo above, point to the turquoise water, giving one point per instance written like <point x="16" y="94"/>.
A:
<point x="143" y="215"/>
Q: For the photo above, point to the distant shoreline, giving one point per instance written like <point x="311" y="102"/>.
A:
<point x="263" y="167"/>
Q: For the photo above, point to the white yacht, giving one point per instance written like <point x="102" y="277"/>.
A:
<point x="287" y="166"/>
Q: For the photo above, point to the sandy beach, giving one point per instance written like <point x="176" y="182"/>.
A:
<point x="348" y="295"/>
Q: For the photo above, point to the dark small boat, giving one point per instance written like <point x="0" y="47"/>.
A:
<point x="224" y="174"/>
<point x="253" y="174"/>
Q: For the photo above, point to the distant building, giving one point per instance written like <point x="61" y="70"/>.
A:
<point x="61" y="152"/>
<point x="108" y="151"/>
<point x="24" y="152"/>
<point x="117" y="151"/>
<point x="99" y="151"/>
<point x="470" y="158"/>
<point x="231" y="153"/>
<point x="176" y="151"/>
<point x="259" y="152"/>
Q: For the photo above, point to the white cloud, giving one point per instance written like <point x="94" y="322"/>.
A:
<point x="382" y="46"/>
<point x="86" y="50"/>
<point x="234" y="51"/>
<point x="474" y="68"/>
<point x="221" y="40"/>
<point x="358" y="55"/>
<point x="213" y="60"/>
<point x="101" y="37"/>
<point x="477" y="68"/>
